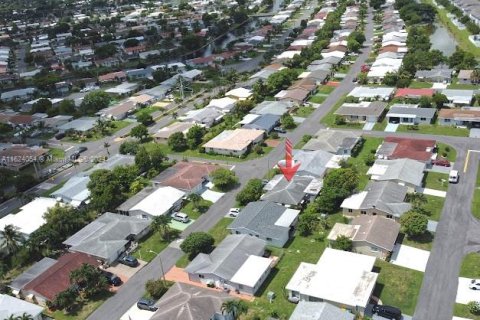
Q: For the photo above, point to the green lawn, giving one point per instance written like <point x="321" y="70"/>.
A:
<point x="420" y="85"/>
<point x="460" y="35"/>
<point x="95" y="135"/>
<point x="435" y="129"/>
<point x="325" y="89"/>
<point x="437" y="181"/>
<point x="317" y="99"/>
<point x="53" y="189"/>
<point x="380" y="126"/>
<point x="86" y="309"/>
<point x="424" y="242"/>
<point x="329" y="119"/>
<point x="147" y="110"/>
<point x="461" y="310"/>
<point x="152" y="242"/>
<point x="304" y="112"/>
<point x="462" y="86"/>
<point x="196" y="213"/>
<point x="398" y="286"/>
<point x="218" y="232"/>
<point x="447" y="151"/>
<point x="476" y="197"/>
<point x="57" y="153"/>
<point x="435" y="206"/>
<point x="470" y="267"/>
<point x="369" y="147"/>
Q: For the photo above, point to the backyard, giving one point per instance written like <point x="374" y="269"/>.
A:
<point x="369" y="147"/>
<point x="304" y="111"/>
<point x="85" y="309"/>
<point x="435" y="130"/>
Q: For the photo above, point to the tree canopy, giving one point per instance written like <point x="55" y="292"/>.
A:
<point x="197" y="242"/>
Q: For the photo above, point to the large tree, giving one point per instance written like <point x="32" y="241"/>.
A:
<point x="177" y="142"/>
<point x="235" y="308"/>
<point x="197" y="242"/>
<point x="195" y="136"/>
<point x="12" y="238"/>
<point x="251" y="192"/>
<point x="105" y="190"/>
<point x="94" y="101"/>
<point x="414" y="224"/>
<point x="223" y="178"/>
<point x="140" y="132"/>
<point x="89" y="279"/>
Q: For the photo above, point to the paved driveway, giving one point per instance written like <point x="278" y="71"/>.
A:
<point x="391" y="127"/>
<point x="136" y="314"/>
<point x="212" y="196"/>
<point x="410" y="257"/>
<point x="125" y="272"/>
<point x="474" y="133"/>
<point x="368" y="126"/>
<point x="464" y="293"/>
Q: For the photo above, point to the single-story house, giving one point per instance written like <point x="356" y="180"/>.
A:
<point x="164" y="133"/>
<point x="410" y="115"/>
<point x="234" y="142"/>
<point x="405" y="172"/>
<point x="465" y="76"/>
<point x="362" y="112"/>
<point x="458" y="98"/>
<point x="192" y="75"/>
<point x="239" y="94"/>
<point x="298" y="96"/>
<point x="306" y="84"/>
<point x="314" y="163"/>
<point x="225" y="104"/>
<point x="344" y="279"/>
<point x="319" y="76"/>
<point x="152" y="202"/>
<point x="206" y="117"/>
<point x="441" y="74"/>
<point x="377" y="93"/>
<point x="273" y="107"/>
<point x="14" y="308"/>
<point x="309" y="310"/>
<point x="119" y="111"/>
<point x="124" y="89"/>
<point x="371" y="235"/>
<point x="30" y="217"/>
<point x="108" y="236"/>
<point x="399" y="148"/>
<point x="56" y="121"/>
<point x="190" y="177"/>
<point x="466" y="116"/>
<point x="412" y="93"/>
<point x="18" y="157"/>
<point x="265" y="122"/>
<point x="186" y="302"/>
<point x="82" y="124"/>
<point x="334" y="141"/>
<point x="41" y="284"/>
<point x="113" y="76"/>
<point x="237" y="263"/>
<point x="296" y="192"/>
<point x="267" y="220"/>
<point x="18" y="94"/>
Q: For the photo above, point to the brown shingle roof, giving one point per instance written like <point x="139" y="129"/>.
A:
<point x="377" y="230"/>
<point x="185" y="175"/>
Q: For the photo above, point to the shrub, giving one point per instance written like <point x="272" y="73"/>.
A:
<point x="474" y="307"/>
<point x="339" y="120"/>
<point x="156" y="288"/>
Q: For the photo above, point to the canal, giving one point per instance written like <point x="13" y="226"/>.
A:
<point x="442" y="40"/>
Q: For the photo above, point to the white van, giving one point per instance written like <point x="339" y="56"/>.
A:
<point x="453" y="176"/>
<point x="181" y="217"/>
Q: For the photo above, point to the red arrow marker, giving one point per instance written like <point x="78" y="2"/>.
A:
<point x="289" y="168"/>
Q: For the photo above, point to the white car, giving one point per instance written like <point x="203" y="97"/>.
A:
<point x="474" y="284"/>
<point x="181" y="217"/>
<point x="234" y="212"/>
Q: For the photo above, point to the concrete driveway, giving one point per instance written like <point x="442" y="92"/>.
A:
<point x="391" y="127"/>
<point x="212" y="196"/>
<point x="136" y="314"/>
<point x="125" y="272"/>
<point x="464" y="293"/>
<point x="474" y="133"/>
<point x="180" y="225"/>
<point x="410" y="257"/>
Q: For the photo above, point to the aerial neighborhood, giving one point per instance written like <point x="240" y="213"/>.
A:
<point x="240" y="160"/>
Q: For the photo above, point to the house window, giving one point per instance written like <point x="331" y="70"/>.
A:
<point x="201" y="276"/>
<point x="423" y="119"/>
<point x="237" y="232"/>
<point x="389" y="216"/>
<point x="363" y="212"/>
<point x="269" y="239"/>
<point x="350" y="210"/>
<point x="240" y="287"/>
<point x="374" y="249"/>
<point x="446" y="120"/>
<point x="374" y="213"/>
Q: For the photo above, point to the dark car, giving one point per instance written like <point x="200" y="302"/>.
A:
<point x="279" y="130"/>
<point x="388" y="312"/>
<point x="112" y="279"/>
<point x="81" y="149"/>
<point x="146" y="304"/>
<point x="129" y="261"/>
<point x="60" y="136"/>
<point x="441" y="162"/>
<point x="75" y="155"/>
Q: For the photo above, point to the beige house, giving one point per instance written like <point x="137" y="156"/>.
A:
<point x="371" y="235"/>
<point x="234" y="142"/>
<point x="164" y="133"/>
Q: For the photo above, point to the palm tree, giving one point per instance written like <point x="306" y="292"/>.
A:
<point x="195" y="199"/>
<point x="416" y="199"/>
<point x="475" y="76"/>
<point x="12" y="238"/>
<point x="234" y="308"/>
<point x="161" y="224"/>
<point x="106" y="145"/>
<point x="24" y="316"/>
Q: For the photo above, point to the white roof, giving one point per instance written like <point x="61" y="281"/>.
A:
<point x="11" y="306"/>
<point x="251" y="271"/>
<point x="30" y="217"/>
<point x="222" y="103"/>
<point x="287" y="218"/>
<point x="249" y="118"/>
<point x="354" y="201"/>
<point x="339" y="276"/>
<point x="288" y="54"/>
<point x="381" y="71"/>
<point x="338" y="54"/>
<point x="160" y="201"/>
<point x="240" y="93"/>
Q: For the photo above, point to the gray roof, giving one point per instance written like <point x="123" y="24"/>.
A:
<point x="306" y="310"/>
<point x="263" y="74"/>
<point x="186" y="302"/>
<point x="407" y="170"/>
<point x="205" y="116"/>
<point x="260" y="217"/>
<point x="332" y="140"/>
<point x="17" y="93"/>
<point x="386" y="196"/>
<point x="272" y="107"/>
<point x="107" y="235"/>
<point x="319" y="75"/>
<point x="265" y="122"/>
<point x="288" y="192"/>
<point x="377" y="230"/>
<point x="436" y="73"/>
<point x="375" y="108"/>
<point x="32" y="273"/>
<point x="227" y="257"/>
<point x="81" y="124"/>
<point x="158" y="91"/>
<point x="312" y="163"/>
<point x="191" y="74"/>
<point x="419" y="112"/>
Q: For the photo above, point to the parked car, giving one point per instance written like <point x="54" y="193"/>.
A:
<point x="75" y="155"/>
<point x="129" y="261"/>
<point x="81" y="149"/>
<point x="441" y="162"/>
<point x="112" y="278"/>
<point x="474" y="284"/>
<point x="234" y="212"/>
<point x="453" y="176"/>
<point x="279" y="130"/>
<point x="60" y="136"/>
<point x="388" y="312"/>
<point x="146" y="304"/>
<point x="181" y="217"/>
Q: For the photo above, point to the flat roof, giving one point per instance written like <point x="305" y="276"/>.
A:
<point x="160" y="201"/>
<point x="237" y="139"/>
<point x="251" y="271"/>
